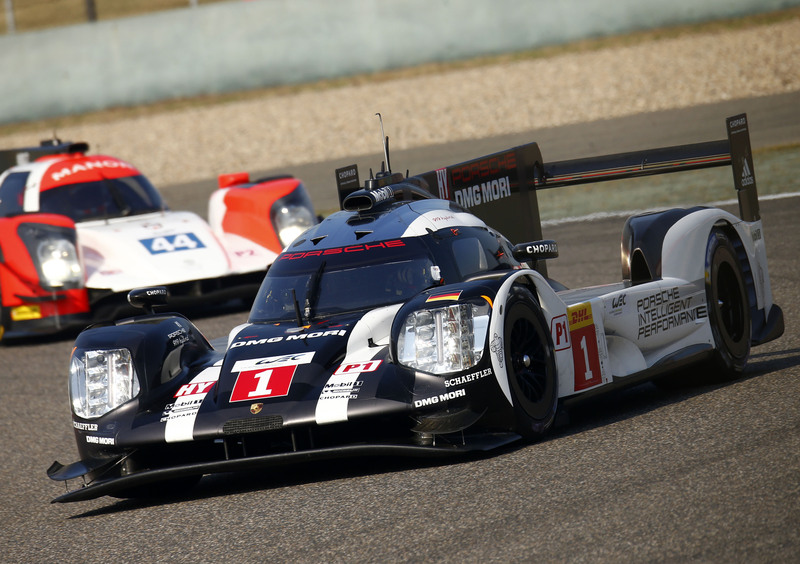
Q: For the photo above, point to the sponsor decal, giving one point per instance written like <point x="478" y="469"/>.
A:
<point x="358" y="367"/>
<point x="194" y="388"/>
<point x="89" y="165"/>
<point x="580" y="316"/>
<point x="618" y="304"/>
<point x="585" y="356"/>
<point x="663" y="310"/>
<point x="267" y="361"/>
<point x="172" y="243"/>
<point x="496" y="346"/>
<point x="489" y="167"/>
<point x="447" y="396"/>
<point x="747" y="175"/>
<point x="346" y="174"/>
<point x="267" y="383"/>
<point x="84" y="426"/>
<point x="339" y="250"/>
<point x="484" y="179"/>
<point x="347" y="179"/>
<point x="485" y="192"/>
<point x="341" y="390"/>
<point x="187" y="407"/>
<point x="444" y="186"/>
<point x="543" y="247"/>
<point x="96" y="440"/>
<point x="460" y="380"/>
<point x="178" y="337"/>
<point x="559" y="332"/>
<point x="179" y="416"/>
<point x="291" y="337"/>
<point x="451" y="296"/>
<point x="268" y="377"/>
<point x="437" y="218"/>
<point x="381" y="194"/>
<point x="343" y="385"/>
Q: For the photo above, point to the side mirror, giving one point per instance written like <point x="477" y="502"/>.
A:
<point x="147" y="298"/>
<point x="535" y="250"/>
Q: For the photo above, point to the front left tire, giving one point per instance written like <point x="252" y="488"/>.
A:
<point x="530" y="365"/>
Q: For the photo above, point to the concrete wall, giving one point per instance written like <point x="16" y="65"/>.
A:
<point x="249" y="44"/>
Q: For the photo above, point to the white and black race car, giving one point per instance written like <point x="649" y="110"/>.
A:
<point x="406" y="324"/>
<point x="78" y="231"/>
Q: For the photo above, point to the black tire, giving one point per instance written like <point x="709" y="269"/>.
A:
<point x="728" y="308"/>
<point x="530" y="364"/>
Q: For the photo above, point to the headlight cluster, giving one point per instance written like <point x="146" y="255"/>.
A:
<point x="53" y="250"/>
<point x="101" y="380"/>
<point x="445" y="339"/>
<point x="291" y="221"/>
<point x="59" y="263"/>
<point x="292" y="214"/>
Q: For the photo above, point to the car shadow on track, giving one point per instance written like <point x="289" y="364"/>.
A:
<point x="592" y="413"/>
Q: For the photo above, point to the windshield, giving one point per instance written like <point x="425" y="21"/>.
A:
<point x="347" y="279"/>
<point x="103" y="199"/>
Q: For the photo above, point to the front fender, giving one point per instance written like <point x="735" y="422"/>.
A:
<point x="162" y="346"/>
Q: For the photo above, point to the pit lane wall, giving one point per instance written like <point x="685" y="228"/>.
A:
<point x="238" y="45"/>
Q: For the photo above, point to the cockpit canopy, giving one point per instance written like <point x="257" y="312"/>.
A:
<point x="320" y="282"/>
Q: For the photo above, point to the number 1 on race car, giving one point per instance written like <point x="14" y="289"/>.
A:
<point x="257" y="384"/>
<point x="586" y="360"/>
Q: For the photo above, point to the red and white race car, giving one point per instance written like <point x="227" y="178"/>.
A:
<point x="78" y="231"/>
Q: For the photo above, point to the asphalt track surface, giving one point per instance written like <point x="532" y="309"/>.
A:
<point x="707" y="473"/>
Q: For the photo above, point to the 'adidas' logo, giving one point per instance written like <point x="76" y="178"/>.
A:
<point x="747" y="175"/>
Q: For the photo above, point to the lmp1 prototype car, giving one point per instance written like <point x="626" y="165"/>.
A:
<point x="77" y="232"/>
<point x="404" y="324"/>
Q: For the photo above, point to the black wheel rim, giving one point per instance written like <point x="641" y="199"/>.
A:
<point x="729" y="304"/>
<point x="529" y="366"/>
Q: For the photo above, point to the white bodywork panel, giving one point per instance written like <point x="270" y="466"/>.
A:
<point x="158" y="249"/>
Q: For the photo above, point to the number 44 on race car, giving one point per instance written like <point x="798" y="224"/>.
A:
<point x="77" y="232"/>
<point x="407" y="324"/>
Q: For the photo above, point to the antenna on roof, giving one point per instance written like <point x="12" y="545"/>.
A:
<point x="385" y="141"/>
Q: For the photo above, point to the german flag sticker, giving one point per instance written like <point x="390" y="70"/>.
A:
<point x="452" y="296"/>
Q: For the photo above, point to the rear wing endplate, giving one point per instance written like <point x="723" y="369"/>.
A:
<point x="25" y="155"/>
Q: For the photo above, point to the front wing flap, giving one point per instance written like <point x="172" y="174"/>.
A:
<point x="118" y="485"/>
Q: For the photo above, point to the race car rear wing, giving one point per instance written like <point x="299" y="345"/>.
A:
<point x="24" y="155"/>
<point x="501" y="188"/>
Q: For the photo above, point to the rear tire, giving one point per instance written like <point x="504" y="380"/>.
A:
<point x="728" y="308"/>
<point x="530" y="364"/>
